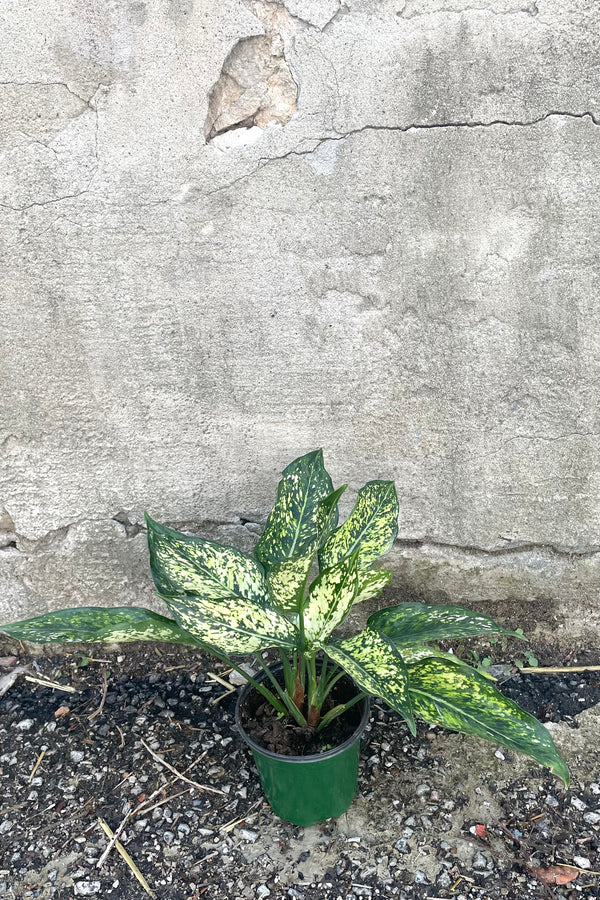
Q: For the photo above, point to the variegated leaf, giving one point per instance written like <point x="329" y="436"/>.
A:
<point x="418" y="652"/>
<point x="232" y="625"/>
<point x="377" y="667"/>
<point x="294" y="522"/>
<point x="329" y="599"/>
<point x="371" y="527"/>
<point x="446" y="693"/>
<point x="371" y="584"/>
<point x="94" y="624"/>
<point x="415" y="623"/>
<point x="182" y="564"/>
<point x="287" y="580"/>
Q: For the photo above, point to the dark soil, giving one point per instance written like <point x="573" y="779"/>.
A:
<point x="68" y="759"/>
<point x="553" y="698"/>
<point x="261" y="723"/>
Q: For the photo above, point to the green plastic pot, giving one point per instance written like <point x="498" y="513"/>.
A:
<point x="305" y="790"/>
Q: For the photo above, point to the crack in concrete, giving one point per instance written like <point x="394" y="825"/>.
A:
<point x="512" y="549"/>
<point x="89" y="105"/>
<point x="128" y="529"/>
<point x="341" y="136"/>
<point x="530" y="10"/>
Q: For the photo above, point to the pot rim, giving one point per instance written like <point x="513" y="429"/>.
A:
<point x="313" y="757"/>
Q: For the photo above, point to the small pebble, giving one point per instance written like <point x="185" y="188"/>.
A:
<point x="582" y="861"/>
<point x="76" y="757"/>
<point x="444" y="880"/>
<point x="592" y="818"/>
<point x="168" y="837"/>
<point x="578" y="804"/>
<point x="87" y="888"/>
<point x="422" y="789"/>
<point x="247" y="834"/>
<point x="479" y="861"/>
<point x="6" y="826"/>
<point x="420" y="877"/>
<point x="263" y="891"/>
<point x="551" y="801"/>
<point x="402" y="846"/>
<point x="24" y="724"/>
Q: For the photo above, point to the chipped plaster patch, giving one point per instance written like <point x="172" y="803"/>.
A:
<point x="256" y="86"/>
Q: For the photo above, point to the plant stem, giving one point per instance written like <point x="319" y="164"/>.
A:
<point x="289" y="674"/>
<point x="333" y="680"/>
<point x="267" y="694"/>
<point x="289" y="703"/>
<point x="338" y="710"/>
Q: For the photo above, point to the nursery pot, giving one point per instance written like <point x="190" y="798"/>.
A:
<point x="304" y="790"/>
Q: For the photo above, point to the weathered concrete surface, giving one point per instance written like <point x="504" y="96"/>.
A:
<point x="403" y="273"/>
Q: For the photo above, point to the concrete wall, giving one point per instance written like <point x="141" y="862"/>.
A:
<point x="235" y="231"/>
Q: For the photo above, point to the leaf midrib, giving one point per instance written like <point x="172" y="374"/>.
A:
<point x="369" y="521"/>
<point x="301" y="517"/>
<point x="237" y="557"/>
<point x="471" y="716"/>
<point x="239" y="629"/>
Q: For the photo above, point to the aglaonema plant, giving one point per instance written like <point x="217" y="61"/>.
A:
<point x="232" y="604"/>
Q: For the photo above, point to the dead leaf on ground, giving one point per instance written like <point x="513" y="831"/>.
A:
<point x="7" y="661"/>
<point x="481" y="831"/>
<point x="7" y="681"/>
<point x="556" y="874"/>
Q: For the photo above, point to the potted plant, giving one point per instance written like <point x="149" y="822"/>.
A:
<point x="232" y="604"/>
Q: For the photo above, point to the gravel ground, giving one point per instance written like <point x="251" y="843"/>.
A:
<point x="436" y="816"/>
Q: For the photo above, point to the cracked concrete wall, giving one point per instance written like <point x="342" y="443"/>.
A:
<point x="387" y="248"/>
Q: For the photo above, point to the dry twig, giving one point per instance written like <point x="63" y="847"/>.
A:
<point x="36" y="766"/>
<point x="52" y="684"/>
<point x="556" y="670"/>
<point x="195" y="784"/>
<point x="98" y="712"/>
<point x="108" y="832"/>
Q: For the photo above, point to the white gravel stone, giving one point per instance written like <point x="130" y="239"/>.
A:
<point x="87" y="888"/>
<point x="24" y="724"/>
<point x="247" y="834"/>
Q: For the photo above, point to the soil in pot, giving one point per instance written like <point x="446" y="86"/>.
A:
<point x="285" y="737"/>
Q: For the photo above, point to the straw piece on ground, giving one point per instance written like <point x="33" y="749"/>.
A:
<point x="108" y="832"/>
<point x="163" y="762"/>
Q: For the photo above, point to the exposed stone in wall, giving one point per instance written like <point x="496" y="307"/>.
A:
<point x="256" y="85"/>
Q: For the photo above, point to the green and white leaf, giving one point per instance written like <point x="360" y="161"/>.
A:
<point x="330" y="598"/>
<point x="94" y="624"/>
<point x="371" y="584"/>
<point x="371" y="527"/>
<point x="182" y="564"/>
<point x="415" y="623"/>
<point x="377" y="667"/>
<point x="419" y="652"/>
<point x="446" y="693"/>
<point x="294" y="522"/>
<point x="232" y="625"/>
<point x="287" y="580"/>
